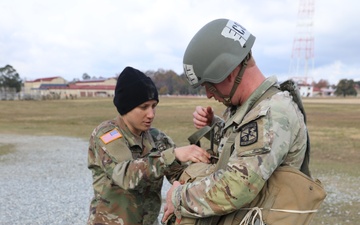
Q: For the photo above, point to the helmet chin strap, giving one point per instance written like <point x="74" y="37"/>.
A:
<point x="227" y="98"/>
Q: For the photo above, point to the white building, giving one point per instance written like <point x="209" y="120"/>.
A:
<point x="58" y="88"/>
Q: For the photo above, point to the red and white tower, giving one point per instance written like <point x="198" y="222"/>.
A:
<point x="302" y="56"/>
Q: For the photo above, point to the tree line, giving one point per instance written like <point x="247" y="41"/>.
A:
<point x="169" y="83"/>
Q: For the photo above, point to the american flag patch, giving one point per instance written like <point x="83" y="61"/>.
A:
<point x="110" y="136"/>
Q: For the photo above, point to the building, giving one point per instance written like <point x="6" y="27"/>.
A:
<point x="59" y="88"/>
<point x="306" y="90"/>
<point x="304" y="86"/>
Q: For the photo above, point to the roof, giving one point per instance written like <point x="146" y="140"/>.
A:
<point x="52" y="86"/>
<point x="74" y="87"/>
<point x="95" y="80"/>
<point x="45" y="79"/>
<point x="92" y="87"/>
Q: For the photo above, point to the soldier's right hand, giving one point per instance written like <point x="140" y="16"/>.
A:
<point x="202" y="116"/>
<point x="192" y="153"/>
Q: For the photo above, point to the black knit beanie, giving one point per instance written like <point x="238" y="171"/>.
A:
<point x="132" y="89"/>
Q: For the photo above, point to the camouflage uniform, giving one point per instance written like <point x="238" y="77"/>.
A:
<point x="270" y="132"/>
<point x="128" y="173"/>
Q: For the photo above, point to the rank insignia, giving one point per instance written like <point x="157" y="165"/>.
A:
<point x="248" y="134"/>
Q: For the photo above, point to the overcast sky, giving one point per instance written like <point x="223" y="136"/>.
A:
<point x="67" y="38"/>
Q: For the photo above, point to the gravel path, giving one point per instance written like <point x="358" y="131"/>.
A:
<point x="46" y="181"/>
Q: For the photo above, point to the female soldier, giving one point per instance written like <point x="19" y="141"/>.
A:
<point x="128" y="158"/>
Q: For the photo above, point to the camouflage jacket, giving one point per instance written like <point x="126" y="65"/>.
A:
<point x="128" y="173"/>
<point x="269" y="133"/>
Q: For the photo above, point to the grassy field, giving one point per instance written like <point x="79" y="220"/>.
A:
<point x="334" y="127"/>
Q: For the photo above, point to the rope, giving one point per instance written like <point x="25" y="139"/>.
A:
<point x="295" y="211"/>
<point x="251" y="216"/>
<point x="256" y="213"/>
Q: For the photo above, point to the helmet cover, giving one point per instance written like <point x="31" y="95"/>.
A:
<point x="215" y="51"/>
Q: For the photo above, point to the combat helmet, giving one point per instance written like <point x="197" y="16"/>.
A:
<point x="215" y="51"/>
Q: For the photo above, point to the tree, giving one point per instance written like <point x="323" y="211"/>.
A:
<point x="168" y="82"/>
<point x="86" y="76"/>
<point x="9" y="78"/>
<point x="166" y="79"/>
<point x="321" y="84"/>
<point x="345" y="87"/>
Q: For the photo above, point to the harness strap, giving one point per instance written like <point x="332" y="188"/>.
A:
<point x="196" y="136"/>
<point x="226" y="152"/>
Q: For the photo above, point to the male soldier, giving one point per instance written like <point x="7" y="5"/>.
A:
<point x="263" y="128"/>
<point x="128" y="158"/>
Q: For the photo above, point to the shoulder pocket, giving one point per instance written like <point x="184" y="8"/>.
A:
<point x="115" y="148"/>
<point x="251" y="138"/>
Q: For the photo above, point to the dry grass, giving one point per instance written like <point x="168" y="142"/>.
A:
<point x="334" y="127"/>
<point x="335" y="132"/>
<point x="6" y="149"/>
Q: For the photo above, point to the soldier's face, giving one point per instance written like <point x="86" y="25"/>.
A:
<point x="222" y="88"/>
<point x="141" y="117"/>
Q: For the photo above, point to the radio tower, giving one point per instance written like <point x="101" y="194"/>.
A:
<point x="302" y="56"/>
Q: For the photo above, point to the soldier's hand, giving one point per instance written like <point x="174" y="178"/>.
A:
<point x="202" y="116"/>
<point x="192" y="153"/>
<point x="169" y="207"/>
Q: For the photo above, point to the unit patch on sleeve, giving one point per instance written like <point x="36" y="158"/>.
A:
<point x="248" y="134"/>
<point x="110" y="136"/>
